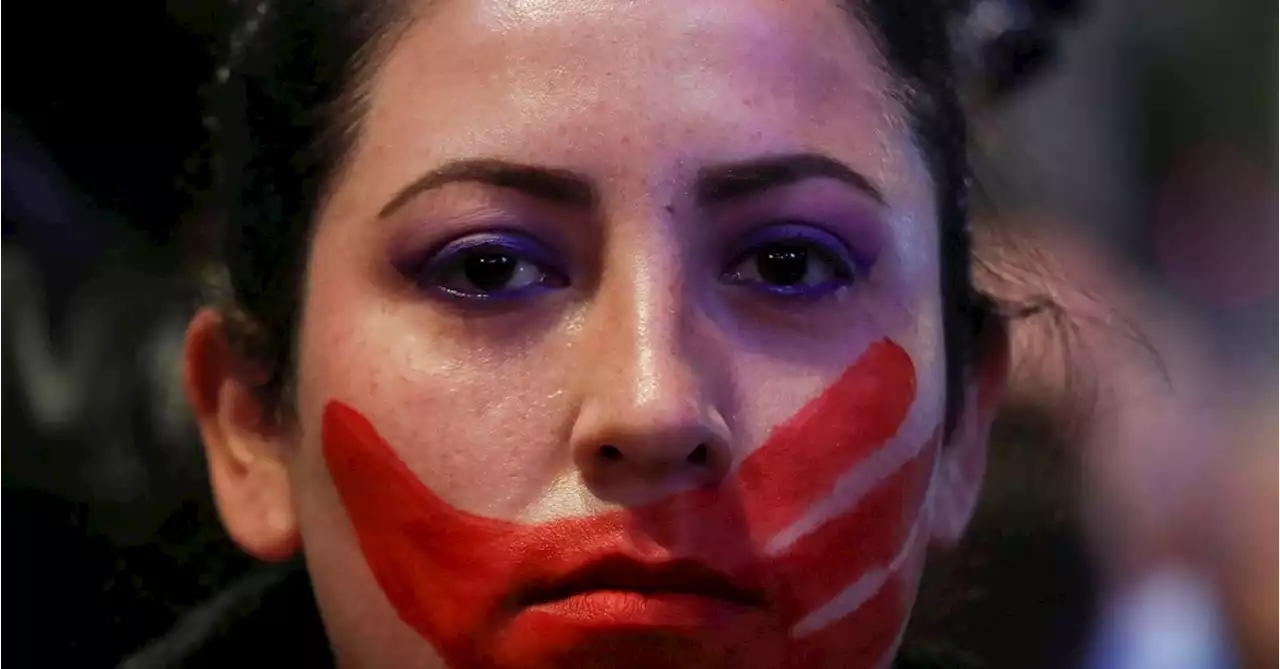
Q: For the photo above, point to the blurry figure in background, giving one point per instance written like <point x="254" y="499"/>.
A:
<point x="89" y="346"/>
<point x="1143" y="413"/>
<point x="1132" y="181"/>
<point x="105" y="489"/>
<point x="111" y="529"/>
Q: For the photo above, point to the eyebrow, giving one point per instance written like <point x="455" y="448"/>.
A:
<point x="718" y="184"/>
<point x="722" y="183"/>
<point x="555" y="185"/>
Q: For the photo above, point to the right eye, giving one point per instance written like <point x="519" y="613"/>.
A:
<point x="490" y="266"/>
<point x="793" y="260"/>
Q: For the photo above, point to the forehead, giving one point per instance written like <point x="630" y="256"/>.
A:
<point x="805" y="49"/>
<point x="562" y="79"/>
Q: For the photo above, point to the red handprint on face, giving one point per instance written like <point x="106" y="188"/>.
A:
<point x="808" y="589"/>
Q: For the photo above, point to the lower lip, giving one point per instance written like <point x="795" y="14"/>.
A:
<point x="613" y="608"/>
<point x="618" y="629"/>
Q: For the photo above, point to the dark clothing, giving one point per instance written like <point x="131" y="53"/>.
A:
<point x="267" y="618"/>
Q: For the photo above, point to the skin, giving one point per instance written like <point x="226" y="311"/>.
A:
<point x="502" y="409"/>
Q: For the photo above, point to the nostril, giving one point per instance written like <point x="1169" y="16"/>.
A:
<point x="699" y="455"/>
<point x="610" y="453"/>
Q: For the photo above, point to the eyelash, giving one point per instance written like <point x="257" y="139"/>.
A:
<point x="508" y="255"/>
<point x="809" y="242"/>
<point x="443" y="269"/>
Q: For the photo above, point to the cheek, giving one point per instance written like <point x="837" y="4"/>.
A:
<point x="486" y="443"/>
<point x="482" y="421"/>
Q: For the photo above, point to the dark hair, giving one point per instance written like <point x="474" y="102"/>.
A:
<point x="286" y="108"/>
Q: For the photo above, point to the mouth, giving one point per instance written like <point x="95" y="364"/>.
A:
<point x="622" y="589"/>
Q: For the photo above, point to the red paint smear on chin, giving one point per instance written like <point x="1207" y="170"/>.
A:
<point x="451" y="575"/>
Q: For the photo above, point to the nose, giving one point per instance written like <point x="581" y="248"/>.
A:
<point x="651" y="421"/>
<point x="651" y="458"/>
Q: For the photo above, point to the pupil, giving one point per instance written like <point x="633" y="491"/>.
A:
<point x="783" y="266"/>
<point x="489" y="271"/>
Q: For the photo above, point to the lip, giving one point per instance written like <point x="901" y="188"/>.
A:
<point x="622" y="590"/>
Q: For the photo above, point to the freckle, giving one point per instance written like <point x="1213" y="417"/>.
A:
<point x="671" y="208"/>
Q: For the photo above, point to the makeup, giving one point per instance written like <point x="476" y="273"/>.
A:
<point x="689" y="580"/>
<point x="806" y="261"/>
<point x="495" y="265"/>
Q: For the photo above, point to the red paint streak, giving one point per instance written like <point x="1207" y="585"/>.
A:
<point x="452" y="575"/>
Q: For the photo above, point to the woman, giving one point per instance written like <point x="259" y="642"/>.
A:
<point x="558" y="334"/>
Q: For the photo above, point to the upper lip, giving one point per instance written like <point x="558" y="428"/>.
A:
<point x="627" y="574"/>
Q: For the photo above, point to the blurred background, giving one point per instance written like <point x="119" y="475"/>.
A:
<point x="1127" y="520"/>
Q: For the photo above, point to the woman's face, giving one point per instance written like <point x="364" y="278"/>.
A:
<point x="621" y="342"/>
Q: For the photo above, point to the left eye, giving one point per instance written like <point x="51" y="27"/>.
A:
<point x="791" y="267"/>
<point x="489" y="267"/>
<point x="491" y="272"/>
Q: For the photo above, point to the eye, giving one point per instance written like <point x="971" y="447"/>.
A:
<point x="490" y="266"/>
<point x="793" y="260"/>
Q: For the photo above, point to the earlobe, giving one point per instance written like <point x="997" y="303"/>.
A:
<point x="243" y="442"/>
<point x="957" y="482"/>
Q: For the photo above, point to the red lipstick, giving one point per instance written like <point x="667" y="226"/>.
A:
<point x="618" y="589"/>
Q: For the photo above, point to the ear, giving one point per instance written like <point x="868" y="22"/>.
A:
<point x="963" y="460"/>
<point x="244" y="443"/>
